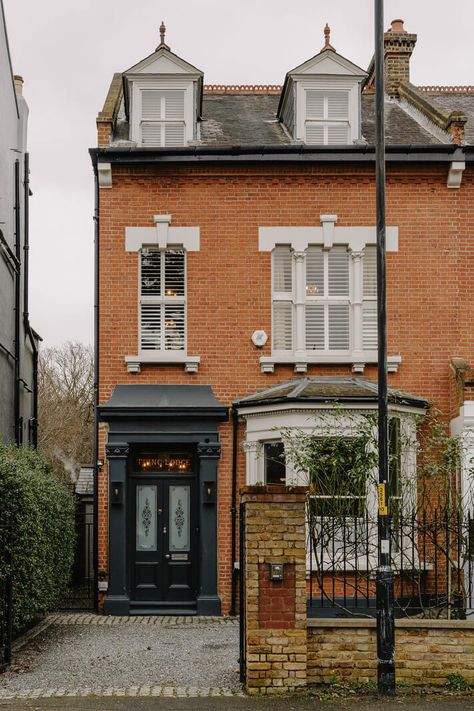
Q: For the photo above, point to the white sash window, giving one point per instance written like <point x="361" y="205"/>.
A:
<point x="327" y="117"/>
<point x="162" y="118"/>
<point x="162" y="300"/>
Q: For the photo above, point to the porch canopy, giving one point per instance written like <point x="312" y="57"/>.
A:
<point x="164" y="400"/>
<point x="343" y="389"/>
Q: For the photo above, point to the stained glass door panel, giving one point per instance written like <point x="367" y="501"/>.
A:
<point x="146" y="525"/>
<point x="179" y="524"/>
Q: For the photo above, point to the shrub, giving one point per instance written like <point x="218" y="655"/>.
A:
<point x="41" y="511"/>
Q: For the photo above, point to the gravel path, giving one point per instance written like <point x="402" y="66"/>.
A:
<point x="77" y="656"/>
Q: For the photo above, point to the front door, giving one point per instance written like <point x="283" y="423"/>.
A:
<point x="164" y="540"/>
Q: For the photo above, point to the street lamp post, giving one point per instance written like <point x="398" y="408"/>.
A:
<point x="384" y="578"/>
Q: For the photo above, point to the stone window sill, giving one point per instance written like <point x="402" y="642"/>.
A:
<point x="301" y="362"/>
<point x="134" y="362"/>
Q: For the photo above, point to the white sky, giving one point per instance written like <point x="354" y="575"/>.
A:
<point x="67" y="52"/>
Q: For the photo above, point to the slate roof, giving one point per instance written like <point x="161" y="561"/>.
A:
<point x="457" y="102"/>
<point x="162" y="397"/>
<point x="328" y="389"/>
<point x="85" y="482"/>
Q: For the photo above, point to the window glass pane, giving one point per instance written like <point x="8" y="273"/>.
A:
<point x="314" y="104"/>
<point x="150" y="272"/>
<point x="174" y="105"/>
<point x="151" y="104"/>
<point x="174" y="134"/>
<point x="146" y="518"/>
<point x="314" y="271"/>
<point x="174" y="272"/>
<point x="179" y="523"/>
<point x="315" y="133"/>
<point x="283" y="325"/>
<point x="369" y="321"/>
<point x="275" y="469"/>
<point x="151" y="133"/>
<point x="338" y="135"/>
<point x="369" y="266"/>
<point x="282" y="270"/>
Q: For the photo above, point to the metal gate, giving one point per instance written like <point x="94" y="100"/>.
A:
<point x="80" y="592"/>
<point x="5" y="590"/>
<point x="242" y="580"/>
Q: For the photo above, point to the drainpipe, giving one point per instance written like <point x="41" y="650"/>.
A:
<point x="96" y="386"/>
<point x="235" y="423"/>
<point x="26" y="315"/>
<point x="16" y="396"/>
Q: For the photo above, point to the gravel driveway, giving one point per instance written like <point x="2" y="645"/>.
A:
<point x="94" y="656"/>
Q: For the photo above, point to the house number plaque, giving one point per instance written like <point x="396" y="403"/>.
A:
<point x="179" y="556"/>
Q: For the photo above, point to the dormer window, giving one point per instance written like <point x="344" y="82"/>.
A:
<point x="320" y="100"/>
<point x="327" y="117"/>
<point x="162" y="118"/>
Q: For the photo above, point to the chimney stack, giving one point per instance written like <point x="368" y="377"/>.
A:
<point x="18" y="81"/>
<point x="398" y="48"/>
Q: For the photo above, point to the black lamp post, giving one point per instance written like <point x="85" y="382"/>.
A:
<point x="384" y="579"/>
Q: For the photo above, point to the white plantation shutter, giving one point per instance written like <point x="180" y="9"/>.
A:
<point x="327" y="117"/>
<point x="314" y="271"/>
<point x="283" y="325"/>
<point x="338" y="272"/>
<point x="338" y="327"/>
<point x="162" y="118"/>
<point x="315" y="339"/>
<point x="282" y="269"/>
<point x="150" y="320"/>
<point x="338" y="135"/>
<point x="315" y="133"/>
<point x="338" y="106"/>
<point x="162" y="300"/>
<point x="315" y="104"/>
<point x="369" y="305"/>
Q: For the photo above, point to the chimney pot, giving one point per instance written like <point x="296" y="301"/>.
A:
<point x="18" y="81"/>
<point x="397" y="26"/>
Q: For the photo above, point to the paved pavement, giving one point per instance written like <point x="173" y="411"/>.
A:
<point x="304" y="702"/>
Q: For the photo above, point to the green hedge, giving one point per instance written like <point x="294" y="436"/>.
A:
<point x="41" y="511"/>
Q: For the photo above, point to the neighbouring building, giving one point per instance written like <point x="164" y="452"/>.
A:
<point x="18" y="341"/>
<point x="236" y="295"/>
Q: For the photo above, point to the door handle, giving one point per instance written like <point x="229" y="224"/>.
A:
<point x="165" y="530"/>
<point x="167" y="556"/>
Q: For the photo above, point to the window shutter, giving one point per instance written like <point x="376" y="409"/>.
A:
<point x="150" y="322"/>
<point x="282" y="270"/>
<point x="369" y="306"/>
<point x="338" y="135"/>
<point x="315" y="133"/>
<point x="174" y="134"/>
<point x="338" y="322"/>
<point x="174" y="327"/>
<point x="174" y="272"/>
<point x="338" y="106"/>
<point x="314" y="327"/>
<point x="151" y="133"/>
<point x="150" y="272"/>
<point x="369" y="265"/>
<point x="338" y="272"/>
<point x="282" y="325"/>
<point x="314" y="104"/>
<point x="314" y="271"/>
<point x="151" y="105"/>
<point x="174" y="105"/>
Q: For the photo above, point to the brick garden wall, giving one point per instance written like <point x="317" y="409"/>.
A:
<point x="430" y="309"/>
<point x="426" y="651"/>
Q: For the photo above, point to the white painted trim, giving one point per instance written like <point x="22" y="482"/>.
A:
<point x="455" y="172"/>
<point x="299" y="238"/>
<point x="161" y="83"/>
<point x="327" y="84"/>
<point x="104" y="175"/>
<point x="162" y="236"/>
<point x="191" y="363"/>
<point x="358" y="360"/>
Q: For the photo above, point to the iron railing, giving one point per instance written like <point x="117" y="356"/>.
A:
<point x="431" y="553"/>
<point x="5" y="590"/>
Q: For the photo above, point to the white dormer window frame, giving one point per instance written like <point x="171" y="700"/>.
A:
<point x="327" y="88"/>
<point x="165" y="85"/>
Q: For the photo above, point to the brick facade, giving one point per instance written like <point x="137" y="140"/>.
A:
<point x="430" y="309"/>
<point x="275" y="611"/>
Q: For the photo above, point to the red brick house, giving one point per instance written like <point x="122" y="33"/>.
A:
<point x="235" y="256"/>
